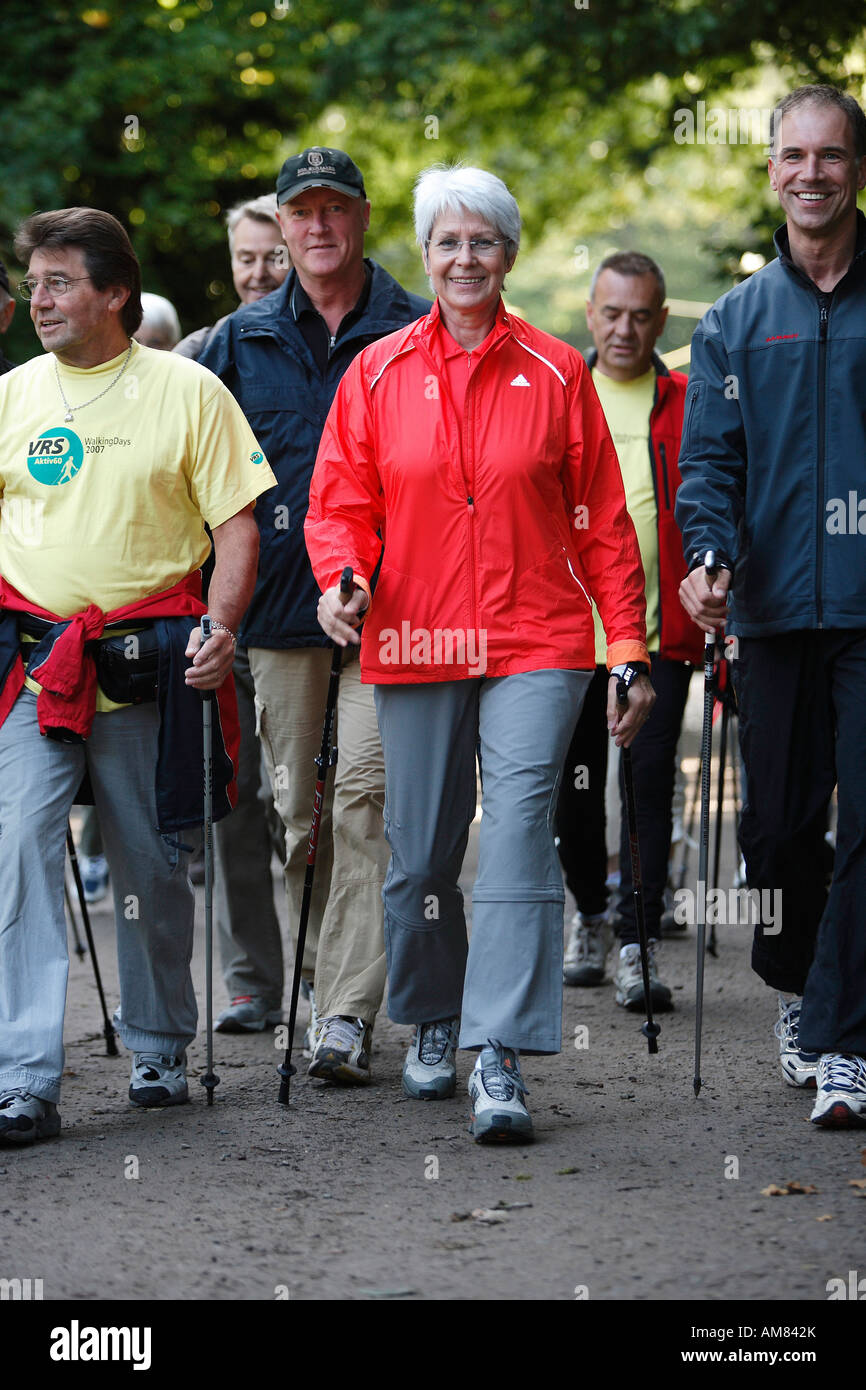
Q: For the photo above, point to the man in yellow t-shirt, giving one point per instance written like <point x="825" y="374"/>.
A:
<point x="643" y="406"/>
<point x="113" y="457"/>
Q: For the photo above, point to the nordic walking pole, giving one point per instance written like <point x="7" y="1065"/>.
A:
<point x="712" y="569"/>
<point x="79" y="949"/>
<point x="720" y="804"/>
<point x="210" y="1080"/>
<point x="327" y="758"/>
<point x="650" y="1029"/>
<point x="108" y="1030"/>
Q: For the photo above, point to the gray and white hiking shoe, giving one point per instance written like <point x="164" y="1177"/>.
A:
<point x="628" y="981"/>
<point x="496" y="1090"/>
<point x="247" y="1013"/>
<point x="429" y="1071"/>
<point x="158" y="1080"/>
<point x="798" y="1068"/>
<point x="24" y="1118"/>
<point x="342" y="1051"/>
<point x="589" y="943"/>
<point x="841" y="1099"/>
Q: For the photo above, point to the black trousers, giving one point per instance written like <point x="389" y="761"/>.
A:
<point x="802" y="716"/>
<point x="580" y="812"/>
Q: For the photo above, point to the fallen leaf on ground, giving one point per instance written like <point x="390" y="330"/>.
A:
<point x="825" y="1217"/>
<point x="857" y="1182"/>
<point x="789" y="1188"/>
<point x="563" y="1172"/>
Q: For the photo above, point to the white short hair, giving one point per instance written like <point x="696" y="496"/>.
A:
<point x="444" y="188"/>
<point x="159" y="316"/>
<point x="263" y="209"/>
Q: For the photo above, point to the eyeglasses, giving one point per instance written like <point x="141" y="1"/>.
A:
<point x="54" y="284"/>
<point x="478" y="245"/>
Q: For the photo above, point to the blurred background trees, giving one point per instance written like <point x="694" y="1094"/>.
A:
<point x="166" y="112"/>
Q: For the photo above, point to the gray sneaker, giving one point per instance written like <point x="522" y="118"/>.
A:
<point x="342" y="1052"/>
<point x="628" y="981"/>
<point x="429" y="1071"/>
<point x="589" y="943"/>
<point x="247" y="1013"/>
<point x="158" y="1080"/>
<point x="24" y="1118"/>
<point x="496" y="1090"/>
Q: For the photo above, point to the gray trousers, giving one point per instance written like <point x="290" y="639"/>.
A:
<point x="508" y="985"/>
<point x="153" y="897"/>
<point x="248" y="929"/>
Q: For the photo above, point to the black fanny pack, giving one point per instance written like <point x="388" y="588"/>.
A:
<point x="127" y="668"/>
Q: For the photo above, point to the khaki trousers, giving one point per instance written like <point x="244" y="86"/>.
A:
<point x="345" y="944"/>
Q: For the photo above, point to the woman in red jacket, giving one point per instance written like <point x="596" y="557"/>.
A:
<point x="475" y="448"/>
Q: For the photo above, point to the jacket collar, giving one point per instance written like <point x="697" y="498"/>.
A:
<point x="386" y="309"/>
<point x="656" y="363"/>
<point x="426" y="331"/>
<point x="782" y="244"/>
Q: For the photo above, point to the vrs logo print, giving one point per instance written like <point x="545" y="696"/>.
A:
<point x="55" y="457"/>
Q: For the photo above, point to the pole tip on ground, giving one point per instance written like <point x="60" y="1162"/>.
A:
<point x="697" y="1085"/>
<point x="110" y="1045"/>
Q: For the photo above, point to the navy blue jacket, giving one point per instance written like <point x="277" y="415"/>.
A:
<point x="261" y="355"/>
<point x="773" y="455"/>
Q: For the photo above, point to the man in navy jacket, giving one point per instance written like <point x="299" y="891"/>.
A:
<point x="774" y="441"/>
<point x="283" y="359"/>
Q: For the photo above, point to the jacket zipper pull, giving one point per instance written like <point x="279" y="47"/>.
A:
<point x="825" y="318"/>
<point x="470" y="502"/>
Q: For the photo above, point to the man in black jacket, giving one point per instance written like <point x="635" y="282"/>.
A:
<point x="283" y="359"/>
<point x="772" y="465"/>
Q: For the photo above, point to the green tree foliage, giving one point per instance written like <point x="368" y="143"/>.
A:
<point x="166" y="112"/>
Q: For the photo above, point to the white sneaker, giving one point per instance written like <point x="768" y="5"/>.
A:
<point x="589" y="943"/>
<point x="629" y="981"/>
<point x="158" y="1080"/>
<point x="24" y="1118"/>
<point x="496" y="1090"/>
<point x="798" y="1068"/>
<point x="342" y="1052"/>
<point x="429" y="1071"/>
<point x="841" y="1099"/>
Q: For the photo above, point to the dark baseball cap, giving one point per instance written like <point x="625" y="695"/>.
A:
<point x="4" y="279"/>
<point x="319" y="167"/>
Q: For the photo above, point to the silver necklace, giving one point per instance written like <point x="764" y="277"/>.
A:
<point x="69" y="408"/>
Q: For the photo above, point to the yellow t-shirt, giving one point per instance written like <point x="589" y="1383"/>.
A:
<point x="111" y="506"/>
<point x="627" y="406"/>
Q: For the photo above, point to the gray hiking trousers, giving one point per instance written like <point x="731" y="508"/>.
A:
<point x="508" y="984"/>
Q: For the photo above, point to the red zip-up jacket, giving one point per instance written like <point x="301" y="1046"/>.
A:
<point x="679" y="638"/>
<point x="495" y="532"/>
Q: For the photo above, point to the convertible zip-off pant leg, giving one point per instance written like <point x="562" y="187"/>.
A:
<point x="510" y="986"/>
<point x="248" y="929"/>
<point x="153" y="898"/>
